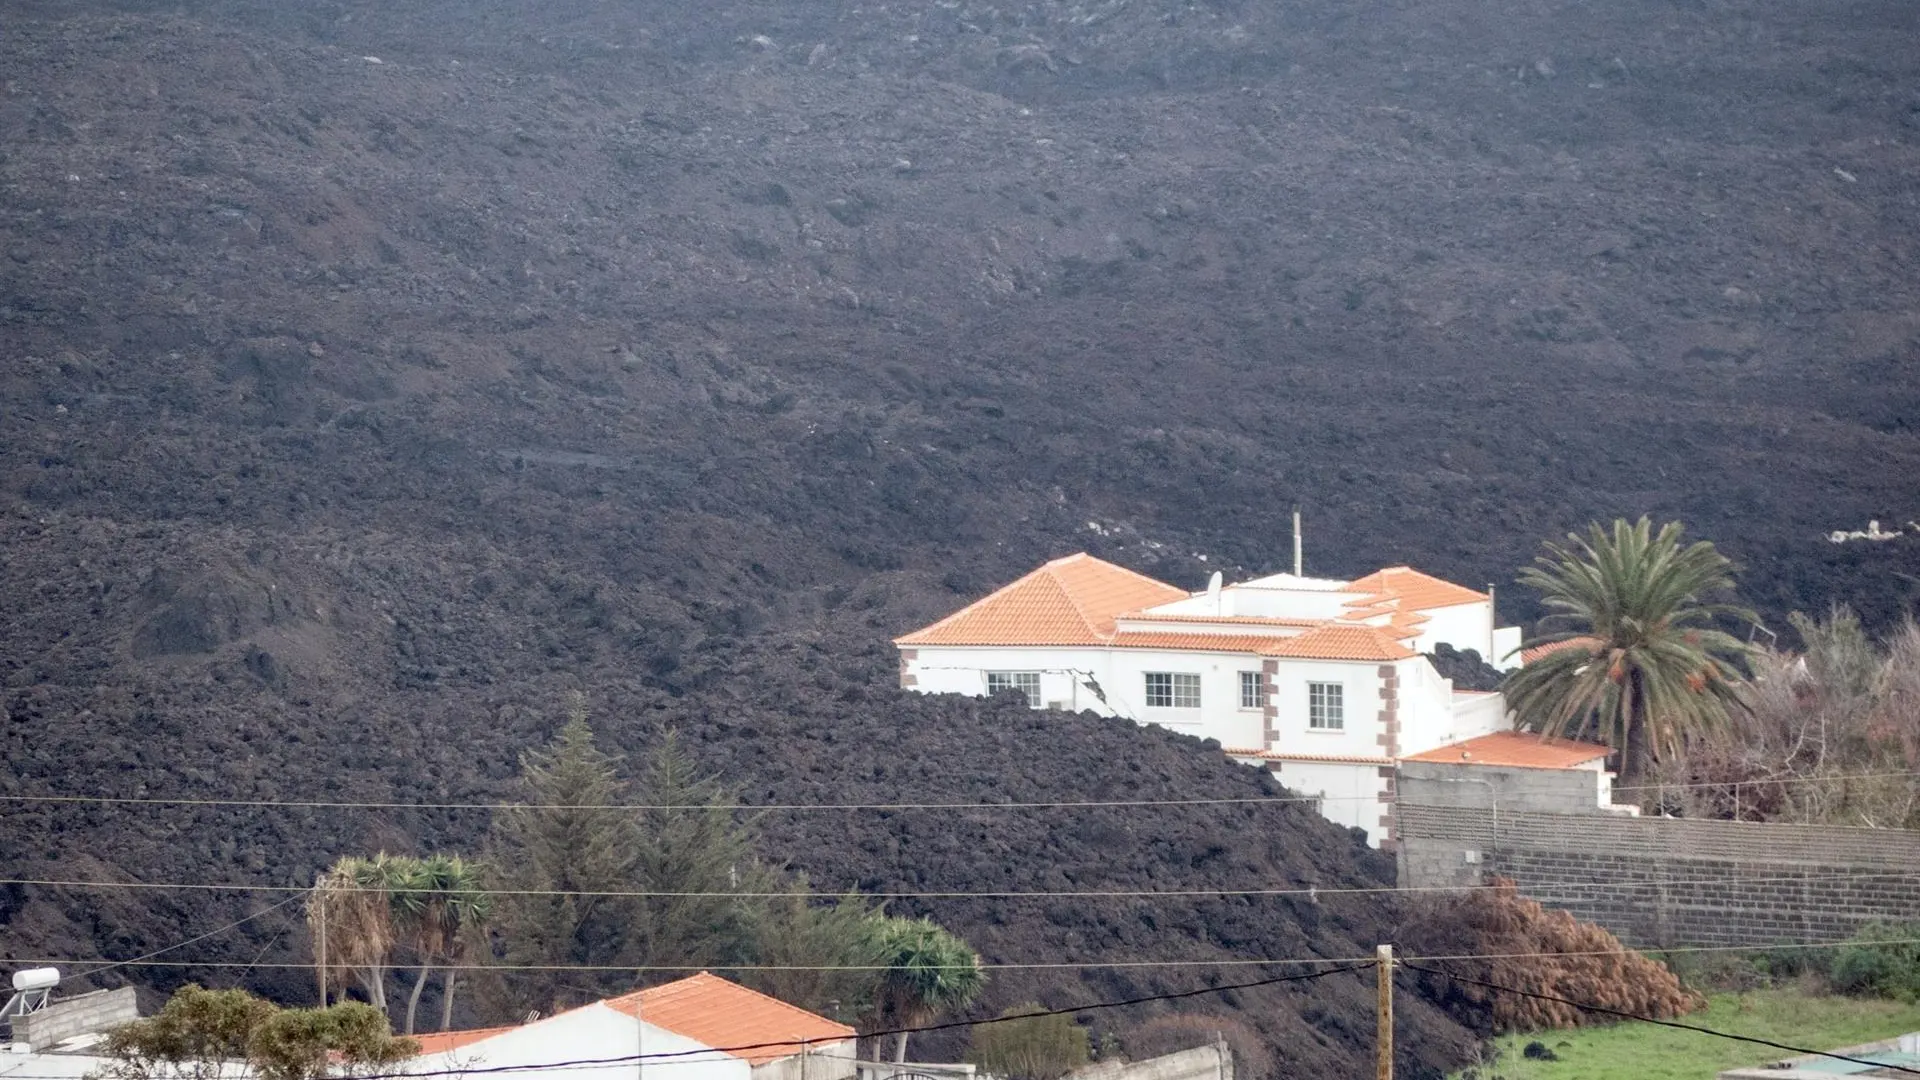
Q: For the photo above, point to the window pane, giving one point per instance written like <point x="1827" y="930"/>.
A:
<point x="1326" y="706"/>
<point x="1172" y="690"/>
<point x="1252" y="694"/>
<point x="1027" y="682"/>
<point x="1159" y="690"/>
<point x="1186" y="691"/>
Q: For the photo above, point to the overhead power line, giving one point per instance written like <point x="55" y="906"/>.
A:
<point x="1620" y="1014"/>
<point x="1066" y="965"/>
<point x="1311" y="892"/>
<point x="1770" y="782"/>
<point x="145" y="957"/>
<point x="317" y="804"/>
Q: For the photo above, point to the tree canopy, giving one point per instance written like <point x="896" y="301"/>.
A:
<point x="1636" y="657"/>
<point x="202" y="1034"/>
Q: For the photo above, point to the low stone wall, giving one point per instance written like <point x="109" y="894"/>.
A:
<point x="1211" y="1062"/>
<point x="64" y="1018"/>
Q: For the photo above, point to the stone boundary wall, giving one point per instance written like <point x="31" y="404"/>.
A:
<point x="63" y="1018"/>
<point x="1663" y="882"/>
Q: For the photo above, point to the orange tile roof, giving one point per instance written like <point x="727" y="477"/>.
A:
<point x="1155" y="639"/>
<point x="1070" y="601"/>
<point x="1528" y="656"/>
<point x="1515" y="749"/>
<point x="714" y="1012"/>
<point x="1416" y="590"/>
<point x="440" y="1041"/>
<point x="1337" y="642"/>
<point x="1225" y="620"/>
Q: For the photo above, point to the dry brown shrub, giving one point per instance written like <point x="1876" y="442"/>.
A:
<point x="1183" y="1031"/>
<point x="1523" y="945"/>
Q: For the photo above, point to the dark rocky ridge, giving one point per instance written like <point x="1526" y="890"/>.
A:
<point x="352" y="411"/>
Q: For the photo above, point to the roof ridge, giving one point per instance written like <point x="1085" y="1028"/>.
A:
<point x="710" y="977"/>
<point x="1079" y="610"/>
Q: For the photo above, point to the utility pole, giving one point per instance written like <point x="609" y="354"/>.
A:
<point x="320" y="944"/>
<point x="1383" y="1037"/>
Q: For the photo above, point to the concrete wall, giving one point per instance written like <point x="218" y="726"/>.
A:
<point x="64" y="1018"/>
<point x="1211" y="1062"/>
<point x="1666" y="881"/>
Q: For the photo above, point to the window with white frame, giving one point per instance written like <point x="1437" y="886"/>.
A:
<point x="1172" y="690"/>
<point x="1253" y="690"/>
<point x="1027" y="682"/>
<point x="1326" y="706"/>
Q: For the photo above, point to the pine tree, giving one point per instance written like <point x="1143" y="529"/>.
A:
<point x="692" y="841"/>
<point x="821" y="956"/>
<point x="565" y="840"/>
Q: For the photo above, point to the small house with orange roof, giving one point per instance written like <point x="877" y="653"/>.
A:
<point x="698" y="1028"/>
<point x="1320" y="681"/>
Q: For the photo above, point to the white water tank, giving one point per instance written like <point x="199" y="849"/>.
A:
<point x="35" y="979"/>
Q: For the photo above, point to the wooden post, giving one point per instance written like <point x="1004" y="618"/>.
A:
<point x="1383" y="1035"/>
<point x="320" y="943"/>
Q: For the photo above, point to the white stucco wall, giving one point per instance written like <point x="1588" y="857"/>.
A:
<point x="826" y="1061"/>
<point x="594" y="1031"/>
<point x="1361" y="683"/>
<point x="1426" y="706"/>
<point x="1506" y="645"/>
<point x="1350" y="794"/>
<point x="1121" y="675"/>
<point x="1463" y="626"/>
<point x="1478" y="714"/>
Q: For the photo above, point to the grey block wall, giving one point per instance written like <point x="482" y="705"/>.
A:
<point x="1671" y="882"/>
<point x="64" y="1018"/>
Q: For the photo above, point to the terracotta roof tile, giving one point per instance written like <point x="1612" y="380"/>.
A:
<point x="1416" y="590"/>
<point x="441" y="1041"/>
<point x="1070" y="601"/>
<point x="1515" y="749"/>
<point x="1224" y="620"/>
<point x="710" y="1010"/>
<point x="1338" y="642"/>
<point x="1153" y="639"/>
<point x="1528" y="656"/>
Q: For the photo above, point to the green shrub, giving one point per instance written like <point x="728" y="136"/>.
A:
<point x="1035" y="1047"/>
<point x="1882" y="960"/>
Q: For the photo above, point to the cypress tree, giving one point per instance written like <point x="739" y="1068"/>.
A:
<point x="565" y="840"/>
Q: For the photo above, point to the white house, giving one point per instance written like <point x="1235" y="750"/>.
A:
<point x="699" y="1028"/>
<point x="1320" y="681"/>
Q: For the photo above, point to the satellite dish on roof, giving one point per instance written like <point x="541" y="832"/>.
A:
<point x="1213" y="589"/>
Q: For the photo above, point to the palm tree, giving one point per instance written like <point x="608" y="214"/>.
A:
<point x="353" y="898"/>
<point x="466" y="940"/>
<point x="438" y="909"/>
<point x="927" y="971"/>
<point x="1635" y="659"/>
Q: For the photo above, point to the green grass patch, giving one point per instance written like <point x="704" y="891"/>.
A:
<point x="1634" y="1051"/>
